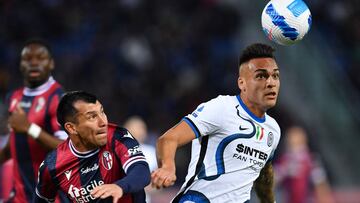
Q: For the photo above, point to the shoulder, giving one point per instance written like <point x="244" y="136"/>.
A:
<point x="118" y="133"/>
<point x="220" y="101"/>
<point x="273" y="123"/>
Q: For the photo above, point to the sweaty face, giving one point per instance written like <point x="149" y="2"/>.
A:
<point x="35" y="65"/>
<point x="90" y="126"/>
<point x="259" y="83"/>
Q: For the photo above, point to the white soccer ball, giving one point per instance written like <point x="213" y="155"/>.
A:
<point x="286" y="21"/>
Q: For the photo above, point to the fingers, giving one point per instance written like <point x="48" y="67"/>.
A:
<point x="162" y="179"/>
<point x="107" y="190"/>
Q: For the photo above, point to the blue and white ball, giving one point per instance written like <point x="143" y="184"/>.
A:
<point x="286" y="21"/>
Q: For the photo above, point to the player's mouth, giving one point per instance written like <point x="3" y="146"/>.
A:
<point x="34" y="73"/>
<point x="102" y="133"/>
<point x="271" y="95"/>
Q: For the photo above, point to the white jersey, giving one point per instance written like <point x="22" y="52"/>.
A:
<point x="231" y="148"/>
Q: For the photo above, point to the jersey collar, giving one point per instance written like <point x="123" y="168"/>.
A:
<point x="82" y="154"/>
<point x="253" y="116"/>
<point x="39" y="90"/>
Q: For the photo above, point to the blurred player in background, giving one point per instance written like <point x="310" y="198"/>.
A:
<point x="233" y="139"/>
<point x="100" y="162"/>
<point x="299" y="174"/>
<point x="138" y="128"/>
<point x="32" y="118"/>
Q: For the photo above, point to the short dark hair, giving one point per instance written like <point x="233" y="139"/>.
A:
<point x="66" y="110"/>
<point x="38" y="41"/>
<point x="256" y="50"/>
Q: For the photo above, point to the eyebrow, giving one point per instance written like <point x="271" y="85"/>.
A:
<point x="264" y="70"/>
<point x="91" y="112"/>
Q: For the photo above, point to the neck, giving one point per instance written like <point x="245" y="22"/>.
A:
<point x="257" y="111"/>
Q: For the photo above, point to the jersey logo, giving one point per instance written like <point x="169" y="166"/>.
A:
<point x="128" y="135"/>
<point x="107" y="160"/>
<point x="68" y="174"/>
<point x="270" y="139"/>
<point x="259" y="133"/>
<point x="134" y="151"/>
<point x="89" y="169"/>
<point x="242" y="128"/>
<point x="40" y="104"/>
<point x="82" y="194"/>
<point x="197" y="110"/>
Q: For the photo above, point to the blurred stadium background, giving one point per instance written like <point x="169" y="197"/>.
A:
<point x="159" y="59"/>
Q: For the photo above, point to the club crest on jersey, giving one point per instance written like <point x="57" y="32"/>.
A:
<point x="40" y="104"/>
<point x="270" y="139"/>
<point x="107" y="160"/>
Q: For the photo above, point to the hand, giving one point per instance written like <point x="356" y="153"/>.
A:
<point x="163" y="177"/>
<point x="108" y="190"/>
<point x="18" y="121"/>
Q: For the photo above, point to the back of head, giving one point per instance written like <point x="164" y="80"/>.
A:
<point x="137" y="127"/>
<point x="66" y="110"/>
<point x="257" y="50"/>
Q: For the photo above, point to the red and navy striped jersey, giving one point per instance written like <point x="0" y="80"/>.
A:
<point x="77" y="173"/>
<point x="40" y="105"/>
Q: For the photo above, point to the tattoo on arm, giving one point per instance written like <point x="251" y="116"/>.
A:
<point x="264" y="185"/>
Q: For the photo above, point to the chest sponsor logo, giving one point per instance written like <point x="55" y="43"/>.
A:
<point x="248" y="154"/>
<point x="89" y="169"/>
<point x="107" y="160"/>
<point x="82" y="194"/>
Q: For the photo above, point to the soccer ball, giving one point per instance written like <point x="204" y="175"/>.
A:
<point x="286" y="21"/>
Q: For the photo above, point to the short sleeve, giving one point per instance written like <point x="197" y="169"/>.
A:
<point x="127" y="149"/>
<point x="45" y="188"/>
<point x="206" y="119"/>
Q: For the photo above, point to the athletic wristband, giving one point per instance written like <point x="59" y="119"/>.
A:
<point x="34" y="131"/>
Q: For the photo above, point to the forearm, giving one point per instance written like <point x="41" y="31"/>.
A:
<point x="166" y="150"/>
<point x="48" y="141"/>
<point x="137" y="178"/>
<point x="264" y="185"/>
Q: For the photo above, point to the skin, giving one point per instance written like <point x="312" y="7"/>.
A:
<point x="88" y="131"/>
<point x="259" y="84"/>
<point x="36" y="65"/>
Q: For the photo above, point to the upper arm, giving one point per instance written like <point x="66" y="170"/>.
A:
<point x="127" y="149"/>
<point x="181" y="133"/>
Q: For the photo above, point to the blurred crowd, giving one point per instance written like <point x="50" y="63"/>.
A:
<point x="156" y="59"/>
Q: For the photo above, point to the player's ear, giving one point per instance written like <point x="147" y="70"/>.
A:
<point x="52" y="64"/>
<point x="241" y="84"/>
<point x="70" y="127"/>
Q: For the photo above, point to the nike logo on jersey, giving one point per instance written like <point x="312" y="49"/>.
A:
<point x="241" y="128"/>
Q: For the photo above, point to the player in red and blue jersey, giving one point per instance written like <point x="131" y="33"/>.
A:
<point x="99" y="162"/>
<point x="32" y="118"/>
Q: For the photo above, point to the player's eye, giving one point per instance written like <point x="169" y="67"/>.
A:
<point x="276" y="76"/>
<point x="262" y="76"/>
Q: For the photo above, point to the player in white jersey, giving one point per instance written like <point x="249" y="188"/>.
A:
<point x="233" y="139"/>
